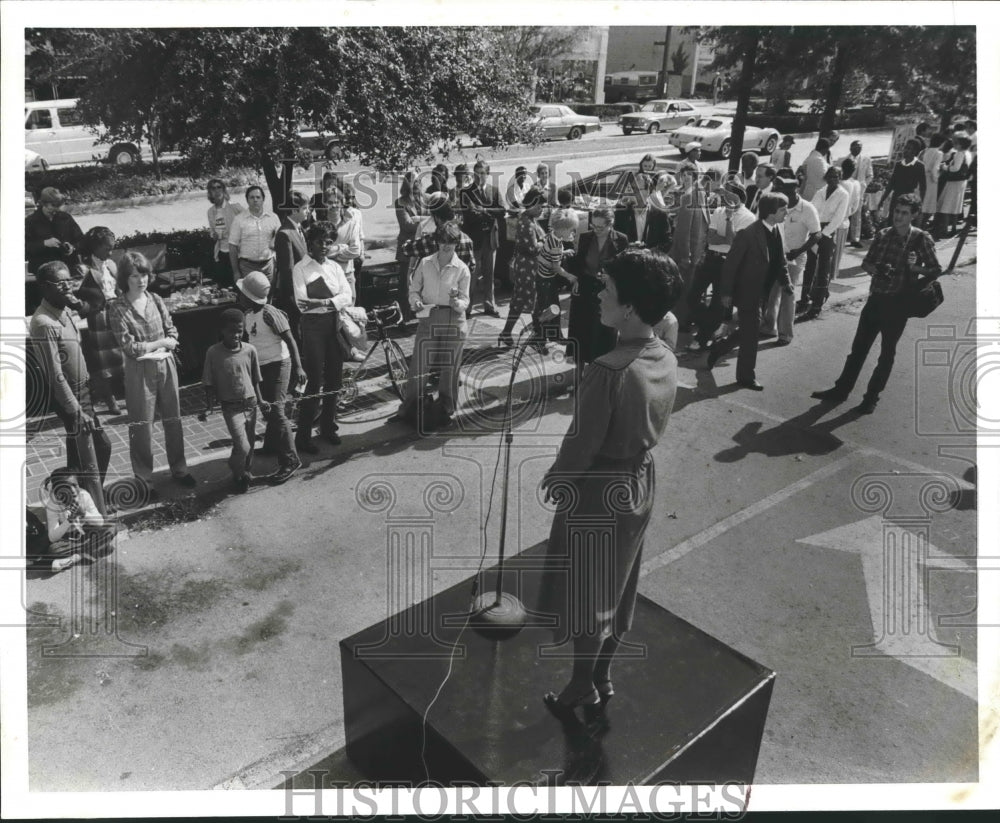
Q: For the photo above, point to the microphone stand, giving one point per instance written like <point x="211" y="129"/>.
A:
<point x="500" y="614"/>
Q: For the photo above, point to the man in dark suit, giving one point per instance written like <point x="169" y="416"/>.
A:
<point x="289" y="249"/>
<point x="755" y="261"/>
<point x="481" y="208"/>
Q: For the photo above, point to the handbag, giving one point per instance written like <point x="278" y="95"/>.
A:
<point x="922" y="298"/>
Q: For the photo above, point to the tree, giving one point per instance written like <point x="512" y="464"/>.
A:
<point x="679" y="60"/>
<point x="390" y="95"/>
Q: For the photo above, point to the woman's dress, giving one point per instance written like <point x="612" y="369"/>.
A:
<point x="603" y="483"/>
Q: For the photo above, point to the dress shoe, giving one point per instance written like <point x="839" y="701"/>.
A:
<point x="764" y="334"/>
<point x="242" y="484"/>
<point x="753" y="385"/>
<point x="306" y="447"/>
<point x="713" y="355"/>
<point x="491" y="310"/>
<point x="809" y="314"/>
<point x="834" y="394"/>
<point x="783" y="342"/>
<point x="590" y="703"/>
<point x="857" y="245"/>
<point x="113" y="407"/>
<point x="866" y="406"/>
<point x="331" y="437"/>
<point x="186" y="480"/>
<point x="605" y="690"/>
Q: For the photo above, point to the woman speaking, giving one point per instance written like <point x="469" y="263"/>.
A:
<point x="603" y="477"/>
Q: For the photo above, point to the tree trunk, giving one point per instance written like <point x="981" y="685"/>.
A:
<point x="750" y="43"/>
<point x="834" y="89"/>
<point x="154" y="146"/>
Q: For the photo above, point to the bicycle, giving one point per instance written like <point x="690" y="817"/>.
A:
<point x="369" y="374"/>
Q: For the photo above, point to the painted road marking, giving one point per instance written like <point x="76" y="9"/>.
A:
<point x="727" y="523"/>
<point x="895" y="562"/>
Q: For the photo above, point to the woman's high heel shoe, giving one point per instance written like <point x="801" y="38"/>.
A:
<point x="590" y="703"/>
<point x="605" y="690"/>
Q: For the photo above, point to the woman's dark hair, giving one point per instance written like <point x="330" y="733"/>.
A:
<point x="533" y="198"/>
<point x="914" y="143"/>
<point x="131" y="262"/>
<point x="947" y="145"/>
<point x="323" y="230"/>
<point x="95" y="237"/>
<point x="58" y="484"/>
<point x="448" y="233"/>
<point x="644" y="159"/>
<point x="647" y="280"/>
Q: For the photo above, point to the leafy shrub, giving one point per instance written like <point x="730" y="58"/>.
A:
<point x="89" y="184"/>
<point x="185" y="249"/>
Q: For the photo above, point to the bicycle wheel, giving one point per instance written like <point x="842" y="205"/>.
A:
<point x="349" y="383"/>
<point x="395" y="362"/>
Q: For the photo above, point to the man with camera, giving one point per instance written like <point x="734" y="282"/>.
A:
<point x="901" y="261"/>
<point x="49" y="232"/>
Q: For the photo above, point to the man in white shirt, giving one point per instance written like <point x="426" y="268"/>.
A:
<point x="799" y="232"/>
<point x="831" y="204"/>
<point x="251" y="238"/>
<point x="321" y="291"/>
<point x="853" y="187"/>
<point x="723" y="224"/>
<point x="815" y="168"/>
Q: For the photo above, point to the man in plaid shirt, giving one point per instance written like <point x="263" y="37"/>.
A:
<point x="897" y="256"/>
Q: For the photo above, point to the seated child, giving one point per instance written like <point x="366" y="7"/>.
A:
<point x="232" y="373"/>
<point x="76" y="529"/>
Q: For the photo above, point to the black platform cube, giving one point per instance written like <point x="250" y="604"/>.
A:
<point x="687" y="709"/>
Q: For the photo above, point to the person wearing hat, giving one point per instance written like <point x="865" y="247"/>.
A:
<point x="781" y="157"/>
<point x="800" y="232"/>
<point x="692" y="154"/>
<point x="731" y="217"/>
<point x="268" y="330"/>
<point x="49" y="232"/>
<point x="289" y="249"/>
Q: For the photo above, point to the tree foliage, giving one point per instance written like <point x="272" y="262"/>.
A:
<point x="391" y="96"/>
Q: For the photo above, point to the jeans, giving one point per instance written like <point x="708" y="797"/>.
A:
<point x="87" y="452"/>
<point x="883" y="314"/>
<point x="779" y="308"/>
<point x="150" y="387"/>
<point x="241" y="420"/>
<point x="438" y="345"/>
<point x="323" y="361"/>
<point x="274" y="389"/>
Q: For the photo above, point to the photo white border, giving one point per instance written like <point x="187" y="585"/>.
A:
<point x="17" y="802"/>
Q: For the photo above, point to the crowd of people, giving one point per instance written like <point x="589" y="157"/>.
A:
<point x="743" y="246"/>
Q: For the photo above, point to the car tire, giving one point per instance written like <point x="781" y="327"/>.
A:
<point x="770" y="145"/>
<point x="726" y="149"/>
<point x="654" y="128"/>
<point x="626" y="131"/>
<point x="123" y="155"/>
<point x="575" y="133"/>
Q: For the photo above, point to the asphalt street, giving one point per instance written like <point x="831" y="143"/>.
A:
<point x="205" y="654"/>
<point x="376" y="193"/>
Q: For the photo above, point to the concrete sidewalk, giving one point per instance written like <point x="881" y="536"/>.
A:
<point x="485" y="373"/>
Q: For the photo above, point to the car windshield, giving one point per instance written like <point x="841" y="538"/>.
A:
<point x="707" y="123"/>
<point x="659" y="108"/>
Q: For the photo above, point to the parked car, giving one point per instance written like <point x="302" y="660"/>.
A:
<point x="55" y="130"/>
<point x="554" y="121"/>
<point x="33" y="161"/>
<point x="607" y="187"/>
<point x="715" y="135"/>
<point x="660" y="115"/>
<point x="321" y="144"/>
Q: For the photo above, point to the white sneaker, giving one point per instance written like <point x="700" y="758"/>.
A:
<point x="357" y="355"/>
<point x="61" y="563"/>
